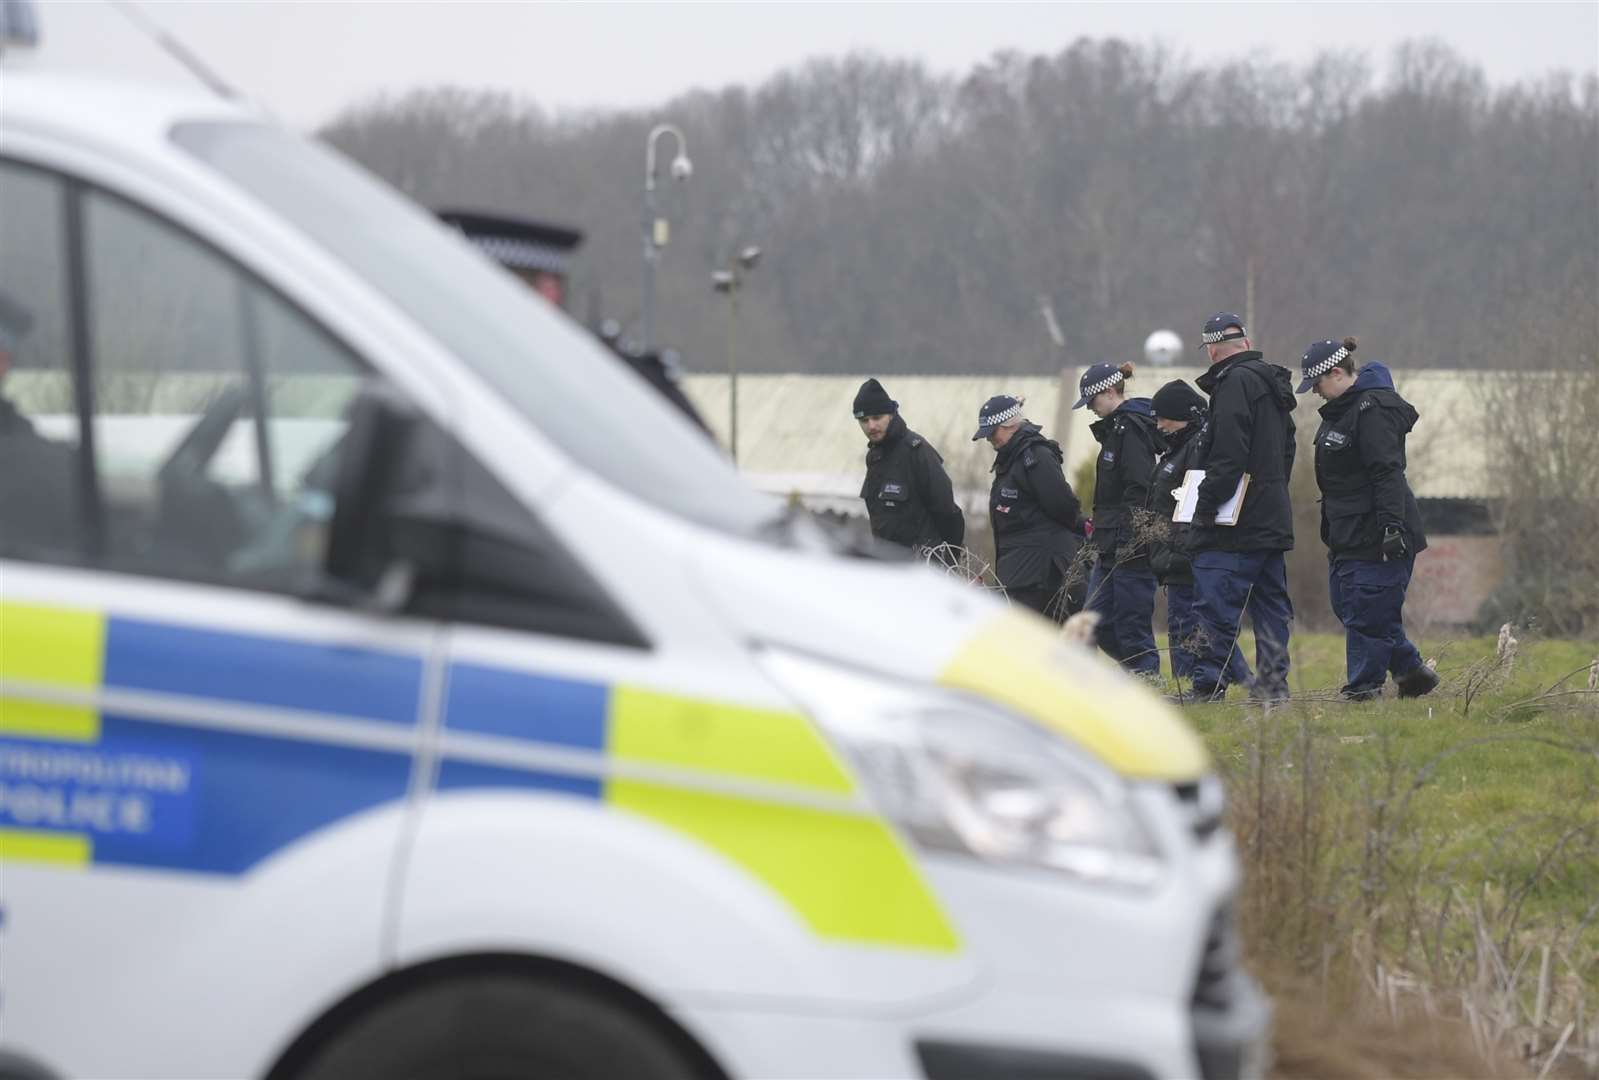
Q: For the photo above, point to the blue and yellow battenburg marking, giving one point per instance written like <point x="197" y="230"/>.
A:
<point x="80" y="786"/>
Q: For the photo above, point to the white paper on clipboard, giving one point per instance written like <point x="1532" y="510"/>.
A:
<point x="1187" y="498"/>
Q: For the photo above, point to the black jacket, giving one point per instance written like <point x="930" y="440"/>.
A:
<point x="1129" y="442"/>
<point x="1035" y="515"/>
<point x="908" y="494"/>
<point x="1169" y="556"/>
<point x="38" y="490"/>
<point x="1360" y="468"/>
<point x="1251" y="430"/>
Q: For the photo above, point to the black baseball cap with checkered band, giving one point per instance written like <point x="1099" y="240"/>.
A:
<point x="1222" y="326"/>
<point x="996" y="412"/>
<point x="1096" y="380"/>
<point x="1320" y="358"/>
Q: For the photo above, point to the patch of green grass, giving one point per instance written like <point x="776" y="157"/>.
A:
<point x="1453" y="837"/>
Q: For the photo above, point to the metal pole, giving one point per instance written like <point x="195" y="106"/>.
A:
<point x="654" y="231"/>
<point x="1249" y="299"/>
<point x="732" y="368"/>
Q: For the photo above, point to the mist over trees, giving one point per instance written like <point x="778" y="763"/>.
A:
<point x="914" y="222"/>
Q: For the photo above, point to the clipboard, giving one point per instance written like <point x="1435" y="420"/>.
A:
<point x="1187" y="498"/>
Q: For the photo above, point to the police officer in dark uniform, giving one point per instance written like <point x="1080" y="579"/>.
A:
<point x="1240" y="568"/>
<point x="1034" y="513"/>
<point x="39" y="477"/>
<point x="1180" y="415"/>
<point x="540" y="255"/>
<point x="908" y="495"/>
<point x="1121" y="588"/>
<point x="1369" y="518"/>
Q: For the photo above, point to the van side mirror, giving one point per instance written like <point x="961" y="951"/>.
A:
<point x="358" y="564"/>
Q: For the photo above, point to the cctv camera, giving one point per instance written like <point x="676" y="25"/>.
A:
<point x="682" y="167"/>
<point x="749" y="257"/>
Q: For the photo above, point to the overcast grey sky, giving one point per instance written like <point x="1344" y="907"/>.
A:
<point x="308" y="60"/>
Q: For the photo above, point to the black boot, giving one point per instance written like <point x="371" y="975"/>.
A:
<point x="1417" y="681"/>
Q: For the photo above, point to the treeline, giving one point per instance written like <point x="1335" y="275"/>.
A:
<point x="918" y="223"/>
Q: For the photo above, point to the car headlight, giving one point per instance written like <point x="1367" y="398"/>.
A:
<point x="960" y="775"/>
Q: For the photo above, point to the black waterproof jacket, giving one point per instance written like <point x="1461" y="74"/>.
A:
<point x="1360" y="468"/>
<point x="38" y="489"/>
<point x="1169" y="557"/>
<point x="1129" y="443"/>
<point x="1251" y="430"/>
<point x="1036" y="517"/>
<point x="908" y="495"/>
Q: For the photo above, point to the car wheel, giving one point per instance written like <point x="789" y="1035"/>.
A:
<point x="501" y="1027"/>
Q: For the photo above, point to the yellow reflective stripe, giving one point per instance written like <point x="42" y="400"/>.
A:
<point x="1017" y="660"/>
<point x="846" y="875"/>
<point x="758" y="744"/>
<point x="45" y="720"/>
<point x="56" y="647"/>
<point x="29" y="845"/>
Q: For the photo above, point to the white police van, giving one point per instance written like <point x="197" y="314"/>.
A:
<point x="391" y="686"/>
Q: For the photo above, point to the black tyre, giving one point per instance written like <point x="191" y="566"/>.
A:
<point x="501" y="1027"/>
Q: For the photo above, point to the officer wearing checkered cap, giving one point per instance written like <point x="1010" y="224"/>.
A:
<point x="540" y="255"/>
<point x="908" y="496"/>
<point x="1240" y="569"/>
<point x="1121" y="588"/>
<point x="1035" y="515"/>
<point x="537" y="252"/>
<point x="1370" y="521"/>
<point x="38" y="476"/>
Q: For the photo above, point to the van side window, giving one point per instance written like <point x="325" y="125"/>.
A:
<point x="216" y="408"/>
<point x="164" y="412"/>
<point x="41" y="466"/>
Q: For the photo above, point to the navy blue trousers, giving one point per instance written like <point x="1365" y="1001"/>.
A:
<point x="1227" y="586"/>
<point x="1369" y="598"/>
<point x="1180" y="625"/>
<point x="1124" y="597"/>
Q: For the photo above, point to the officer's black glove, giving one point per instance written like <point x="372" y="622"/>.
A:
<point x="1394" y="546"/>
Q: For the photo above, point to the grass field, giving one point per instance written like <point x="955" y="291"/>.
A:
<point x="1434" y="860"/>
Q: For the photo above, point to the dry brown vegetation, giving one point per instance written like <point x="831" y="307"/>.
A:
<point x="1423" y="877"/>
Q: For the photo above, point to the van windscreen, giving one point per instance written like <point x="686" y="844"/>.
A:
<point x="567" y="384"/>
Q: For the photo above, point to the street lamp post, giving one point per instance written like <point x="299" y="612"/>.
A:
<point x="731" y="282"/>
<point x="656" y="230"/>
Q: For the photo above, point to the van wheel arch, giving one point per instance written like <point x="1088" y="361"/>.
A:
<point x="579" y="982"/>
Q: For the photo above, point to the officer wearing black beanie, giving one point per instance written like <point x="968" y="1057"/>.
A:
<point x="1181" y="415"/>
<point x="908" y="496"/>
